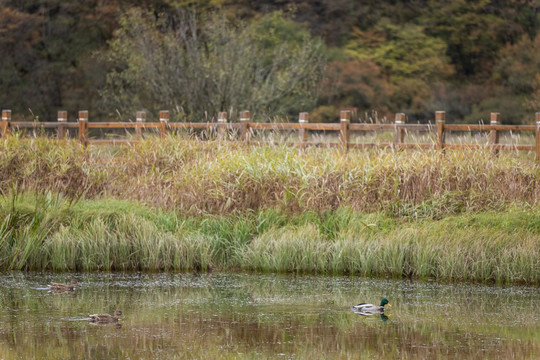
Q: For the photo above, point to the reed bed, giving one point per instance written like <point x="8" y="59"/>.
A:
<point x="220" y="178"/>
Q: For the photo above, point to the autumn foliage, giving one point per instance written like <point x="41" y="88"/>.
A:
<point x="466" y="57"/>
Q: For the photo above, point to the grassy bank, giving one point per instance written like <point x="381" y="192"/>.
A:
<point x="178" y="204"/>
<point x="52" y="232"/>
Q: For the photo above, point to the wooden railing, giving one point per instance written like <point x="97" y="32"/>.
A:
<point x="245" y="129"/>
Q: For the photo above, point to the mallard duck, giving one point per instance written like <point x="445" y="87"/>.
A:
<point x="370" y="309"/>
<point x="63" y="287"/>
<point x="105" y="318"/>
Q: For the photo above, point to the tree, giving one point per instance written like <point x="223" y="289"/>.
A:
<point x="475" y="30"/>
<point x="352" y="83"/>
<point x="407" y="57"/>
<point x="518" y="65"/>
<point x="196" y="66"/>
<point x="19" y="36"/>
<point x="47" y="48"/>
<point x="518" y="72"/>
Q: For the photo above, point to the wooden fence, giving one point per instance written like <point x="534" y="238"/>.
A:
<point x="245" y="129"/>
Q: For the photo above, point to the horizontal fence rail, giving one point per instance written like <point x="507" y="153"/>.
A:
<point x="245" y="128"/>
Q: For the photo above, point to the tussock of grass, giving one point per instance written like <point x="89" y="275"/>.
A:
<point x="50" y="232"/>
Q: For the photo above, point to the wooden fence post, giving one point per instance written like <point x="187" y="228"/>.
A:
<point x="494" y="134"/>
<point x="83" y="127"/>
<point x="245" y="119"/>
<point x="62" y="120"/>
<point x="222" y="124"/>
<point x="164" y="122"/>
<point x="6" y="119"/>
<point x="345" y="120"/>
<point x="140" y="119"/>
<point x="538" y="137"/>
<point x="400" y="134"/>
<point x="440" y="119"/>
<point x="303" y="118"/>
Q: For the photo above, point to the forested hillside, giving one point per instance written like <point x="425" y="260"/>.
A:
<point x="196" y="57"/>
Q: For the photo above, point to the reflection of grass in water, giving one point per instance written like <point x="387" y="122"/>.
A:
<point x="175" y="318"/>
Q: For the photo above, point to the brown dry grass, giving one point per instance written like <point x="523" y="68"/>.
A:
<point x="223" y="177"/>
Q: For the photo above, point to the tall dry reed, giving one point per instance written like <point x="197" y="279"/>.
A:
<point x="222" y="177"/>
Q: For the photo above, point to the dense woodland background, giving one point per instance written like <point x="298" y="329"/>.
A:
<point x="196" y="57"/>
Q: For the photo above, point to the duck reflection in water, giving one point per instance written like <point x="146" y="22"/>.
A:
<point x="116" y="325"/>
<point x="71" y="293"/>
<point x="383" y="316"/>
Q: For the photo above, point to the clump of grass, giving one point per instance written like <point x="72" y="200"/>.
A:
<point x="28" y="221"/>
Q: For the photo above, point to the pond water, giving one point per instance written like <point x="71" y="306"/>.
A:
<point x="213" y="316"/>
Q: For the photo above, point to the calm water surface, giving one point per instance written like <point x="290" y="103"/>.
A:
<point x="212" y="316"/>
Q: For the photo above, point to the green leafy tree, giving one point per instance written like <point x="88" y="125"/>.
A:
<point x="269" y="66"/>
<point x="475" y="30"/>
<point x="517" y="72"/>
<point x="411" y="61"/>
<point x="47" y="49"/>
<point x="518" y="66"/>
<point x="20" y="35"/>
<point x="352" y="83"/>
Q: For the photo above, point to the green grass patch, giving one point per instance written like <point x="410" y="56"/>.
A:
<point x="50" y="232"/>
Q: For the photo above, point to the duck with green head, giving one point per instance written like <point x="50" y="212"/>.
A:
<point x="370" y="309"/>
